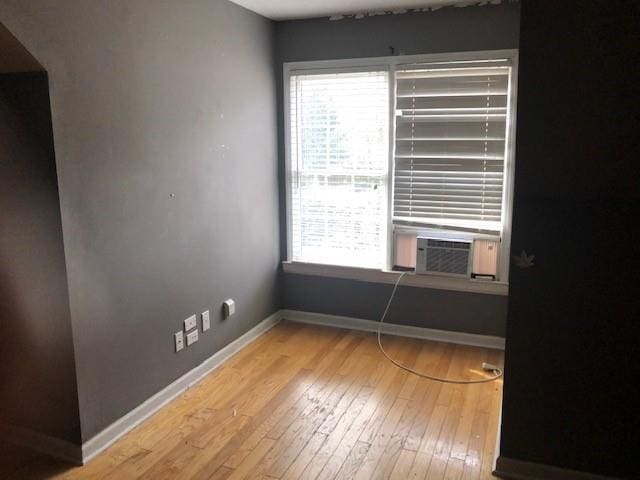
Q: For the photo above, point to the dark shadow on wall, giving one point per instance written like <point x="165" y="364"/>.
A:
<point x="38" y="390"/>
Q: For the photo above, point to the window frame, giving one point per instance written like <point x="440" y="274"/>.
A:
<point x="287" y="99"/>
<point x="386" y="275"/>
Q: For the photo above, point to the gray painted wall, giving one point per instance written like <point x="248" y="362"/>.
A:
<point x="450" y="29"/>
<point x="164" y="116"/>
<point x="37" y="372"/>
<point x="442" y="309"/>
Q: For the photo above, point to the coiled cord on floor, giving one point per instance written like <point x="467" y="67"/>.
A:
<point x="497" y="372"/>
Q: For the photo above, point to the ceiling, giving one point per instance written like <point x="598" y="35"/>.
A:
<point x="290" y="9"/>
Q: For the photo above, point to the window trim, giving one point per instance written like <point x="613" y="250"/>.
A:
<point x="389" y="64"/>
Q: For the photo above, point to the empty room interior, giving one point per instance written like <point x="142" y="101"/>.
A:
<point x="319" y="239"/>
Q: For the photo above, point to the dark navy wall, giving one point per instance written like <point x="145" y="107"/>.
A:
<point x="570" y="391"/>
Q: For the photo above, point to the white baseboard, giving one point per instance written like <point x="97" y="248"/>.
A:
<point x="42" y="443"/>
<point x="486" y="341"/>
<point x="521" y="470"/>
<point x="117" y="429"/>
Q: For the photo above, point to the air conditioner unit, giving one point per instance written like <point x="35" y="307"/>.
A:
<point x="443" y="256"/>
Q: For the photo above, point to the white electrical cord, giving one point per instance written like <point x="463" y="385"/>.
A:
<point x="497" y="371"/>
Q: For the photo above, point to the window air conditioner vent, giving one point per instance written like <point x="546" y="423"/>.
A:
<point x="443" y="256"/>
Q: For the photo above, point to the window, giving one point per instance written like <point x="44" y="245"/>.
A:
<point x="450" y="146"/>
<point x="449" y="122"/>
<point x="339" y="168"/>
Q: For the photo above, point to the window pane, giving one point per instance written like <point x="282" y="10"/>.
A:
<point x="450" y="145"/>
<point x="339" y="166"/>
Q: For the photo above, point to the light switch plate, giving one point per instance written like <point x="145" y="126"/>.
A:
<point x="179" y="339"/>
<point x="190" y="323"/>
<point x="206" y="321"/>
<point x="192" y="337"/>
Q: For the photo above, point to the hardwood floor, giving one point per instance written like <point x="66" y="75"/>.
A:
<point x="310" y="402"/>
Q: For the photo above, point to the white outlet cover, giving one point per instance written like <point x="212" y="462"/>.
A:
<point x="206" y="321"/>
<point x="190" y="323"/>
<point x="179" y="340"/>
<point x="229" y="307"/>
<point x="192" y="337"/>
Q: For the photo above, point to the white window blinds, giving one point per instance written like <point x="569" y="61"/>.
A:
<point x="339" y="147"/>
<point x="450" y="144"/>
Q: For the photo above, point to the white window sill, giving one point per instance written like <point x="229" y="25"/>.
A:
<point x="410" y="279"/>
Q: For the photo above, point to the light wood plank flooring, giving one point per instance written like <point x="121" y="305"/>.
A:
<point x="309" y="402"/>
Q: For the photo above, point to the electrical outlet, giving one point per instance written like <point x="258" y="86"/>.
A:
<point x="206" y="321"/>
<point x="190" y="323"/>
<point x="192" y="337"/>
<point x="229" y="307"/>
<point x="179" y="338"/>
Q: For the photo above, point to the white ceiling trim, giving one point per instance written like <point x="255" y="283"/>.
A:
<point x="339" y="9"/>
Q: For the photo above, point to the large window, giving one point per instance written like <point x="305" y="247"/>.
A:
<point x="339" y="167"/>
<point x="354" y="201"/>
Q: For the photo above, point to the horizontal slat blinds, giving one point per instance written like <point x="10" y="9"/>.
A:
<point x="450" y="145"/>
<point x="339" y="147"/>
